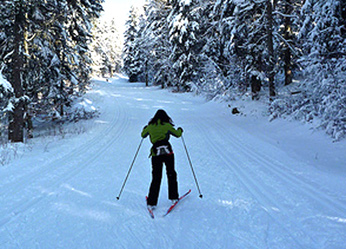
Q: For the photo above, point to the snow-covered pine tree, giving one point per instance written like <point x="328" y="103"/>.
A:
<point x="142" y="51"/>
<point x="271" y="61"/>
<point x="252" y="43"/>
<point x="248" y="42"/>
<point x="323" y="90"/>
<point x="132" y="63"/>
<point x="42" y="51"/>
<point x="106" y="48"/>
<point x="13" y="47"/>
<point x="286" y="20"/>
<point x="46" y="69"/>
<point x="220" y="70"/>
<point x="115" y="44"/>
<point x="221" y="18"/>
<point x="65" y="58"/>
<point x="6" y="92"/>
<point x="324" y="63"/>
<point x="58" y="54"/>
<point x="183" y="31"/>
<point x="287" y="47"/>
<point x="156" y="38"/>
<point x="79" y="24"/>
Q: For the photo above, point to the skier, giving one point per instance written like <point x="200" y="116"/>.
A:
<point x="159" y="129"/>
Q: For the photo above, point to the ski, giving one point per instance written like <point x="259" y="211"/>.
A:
<point x="151" y="213"/>
<point x="150" y="210"/>
<point x="180" y="198"/>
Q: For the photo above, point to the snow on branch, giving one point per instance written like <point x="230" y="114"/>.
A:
<point x="4" y="84"/>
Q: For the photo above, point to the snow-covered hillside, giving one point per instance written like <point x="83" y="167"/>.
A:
<point x="265" y="185"/>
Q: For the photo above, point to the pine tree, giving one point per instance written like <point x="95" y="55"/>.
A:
<point x="183" y="31"/>
<point x="79" y="27"/>
<point x="221" y="71"/>
<point x="157" y="45"/>
<point x="106" y="49"/>
<point x="219" y="25"/>
<point x="114" y="46"/>
<point x="46" y="65"/>
<point x="248" y="43"/>
<point x="270" y="48"/>
<point x="132" y="64"/>
<point x="287" y="19"/>
<point x="324" y="64"/>
<point x="6" y="92"/>
<point x="322" y="92"/>
<point x="14" y="23"/>
<point x="44" y="47"/>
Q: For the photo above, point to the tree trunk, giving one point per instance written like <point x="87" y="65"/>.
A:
<point x="16" y="125"/>
<point x="62" y="83"/>
<point x="255" y="87"/>
<point x="287" y="37"/>
<point x="271" y="73"/>
<point x="146" y="73"/>
<point x="61" y="100"/>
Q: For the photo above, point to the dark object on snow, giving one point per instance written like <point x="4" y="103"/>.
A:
<point x="235" y="111"/>
<point x="295" y="92"/>
<point x="133" y="78"/>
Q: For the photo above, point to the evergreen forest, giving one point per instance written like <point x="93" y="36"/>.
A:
<point x="291" y="54"/>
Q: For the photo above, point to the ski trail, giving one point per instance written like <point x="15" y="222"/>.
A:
<point x="254" y="194"/>
<point x="257" y="171"/>
<point x="62" y="159"/>
<point x="277" y="169"/>
<point x="247" y="183"/>
<point x="62" y="169"/>
<point x="263" y="196"/>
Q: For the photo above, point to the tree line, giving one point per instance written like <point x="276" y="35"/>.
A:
<point x="292" y="52"/>
<point x="106" y="48"/>
<point x="45" y="58"/>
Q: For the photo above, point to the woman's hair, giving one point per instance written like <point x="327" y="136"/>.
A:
<point x="162" y="116"/>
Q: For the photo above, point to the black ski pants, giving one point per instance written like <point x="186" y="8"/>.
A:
<point x="157" y="166"/>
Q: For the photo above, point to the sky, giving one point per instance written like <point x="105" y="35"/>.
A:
<point x="119" y="9"/>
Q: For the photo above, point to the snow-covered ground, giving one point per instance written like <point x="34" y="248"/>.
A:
<point x="265" y="185"/>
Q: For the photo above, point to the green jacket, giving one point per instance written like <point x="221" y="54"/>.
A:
<point x="159" y="132"/>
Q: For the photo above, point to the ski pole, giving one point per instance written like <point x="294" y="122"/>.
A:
<point x="193" y="172"/>
<point x="128" y="173"/>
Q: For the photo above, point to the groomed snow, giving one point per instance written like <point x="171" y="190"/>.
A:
<point x="265" y="185"/>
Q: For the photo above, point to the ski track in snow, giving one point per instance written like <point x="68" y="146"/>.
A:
<point x="55" y="174"/>
<point x="255" y="194"/>
<point x="260" y="190"/>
